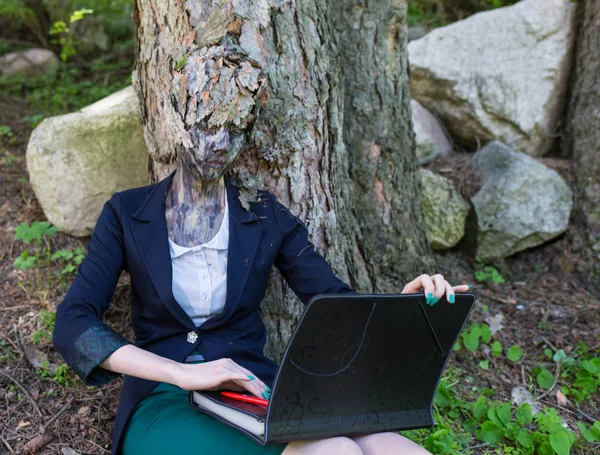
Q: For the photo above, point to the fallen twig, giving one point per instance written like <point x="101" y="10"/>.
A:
<point x="53" y="419"/>
<point x="25" y="391"/>
<point x="5" y="442"/>
<point x="578" y="412"/>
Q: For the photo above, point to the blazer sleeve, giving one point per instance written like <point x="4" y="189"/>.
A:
<point x="80" y="335"/>
<point x="305" y="270"/>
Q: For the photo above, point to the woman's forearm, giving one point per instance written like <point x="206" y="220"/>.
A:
<point x="133" y="361"/>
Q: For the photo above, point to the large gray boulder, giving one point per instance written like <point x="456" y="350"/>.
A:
<point x="521" y="204"/>
<point x="500" y="74"/>
<point x="34" y="62"/>
<point x="445" y="210"/>
<point x="430" y="137"/>
<point x="77" y="161"/>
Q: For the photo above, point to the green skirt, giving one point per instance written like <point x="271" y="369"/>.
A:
<point x="164" y="423"/>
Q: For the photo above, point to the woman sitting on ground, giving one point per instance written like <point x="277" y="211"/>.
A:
<point x="199" y="264"/>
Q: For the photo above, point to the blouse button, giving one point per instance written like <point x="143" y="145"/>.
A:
<point x="204" y="297"/>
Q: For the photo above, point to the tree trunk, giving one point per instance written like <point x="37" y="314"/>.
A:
<point x="365" y="218"/>
<point x="582" y="135"/>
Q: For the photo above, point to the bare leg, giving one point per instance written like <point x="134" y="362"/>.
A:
<point x="388" y="444"/>
<point x="337" y="446"/>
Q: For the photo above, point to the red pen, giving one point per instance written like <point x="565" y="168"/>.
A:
<point x="246" y="398"/>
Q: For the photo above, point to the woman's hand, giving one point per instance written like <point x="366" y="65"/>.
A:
<point x="434" y="287"/>
<point x="220" y="374"/>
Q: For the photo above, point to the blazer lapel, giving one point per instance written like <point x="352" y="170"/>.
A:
<point x="152" y="239"/>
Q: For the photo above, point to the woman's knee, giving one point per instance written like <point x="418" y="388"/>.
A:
<point x="388" y="444"/>
<point x="338" y="446"/>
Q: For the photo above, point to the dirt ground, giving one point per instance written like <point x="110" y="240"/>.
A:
<point x="544" y="303"/>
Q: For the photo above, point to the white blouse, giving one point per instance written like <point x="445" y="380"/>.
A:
<point x="200" y="275"/>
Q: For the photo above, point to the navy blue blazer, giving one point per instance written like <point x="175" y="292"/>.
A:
<point x="131" y="234"/>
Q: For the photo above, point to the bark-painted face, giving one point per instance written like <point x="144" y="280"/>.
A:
<point x="215" y="149"/>
<point x="223" y="90"/>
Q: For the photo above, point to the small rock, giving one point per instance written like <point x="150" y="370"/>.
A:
<point x="445" y="210"/>
<point x="32" y="62"/>
<point x="83" y="411"/>
<point x="520" y="395"/>
<point x="90" y="36"/>
<point x="561" y="398"/>
<point x="68" y="451"/>
<point x="430" y="137"/>
<point x="495" y="322"/>
<point x="521" y="204"/>
<point x="416" y="32"/>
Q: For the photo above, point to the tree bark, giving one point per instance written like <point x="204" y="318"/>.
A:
<point x="372" y="37"/>
<point x="582" y="133"/>
<point x="343" y="163"/>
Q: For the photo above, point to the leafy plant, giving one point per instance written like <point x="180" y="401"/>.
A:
<point x="6" y="131"/>
<point x="38" y="255"/>
<point x="181" y="61"/>
<point x="64" y="37"/>
<point x="585" y="374"/>
<point x="48" y="319"/>
<point x="69" y="258"/>
<point x="470" y="338"/>
<point x="489" y="273"/>
<point x="60" y="375"/>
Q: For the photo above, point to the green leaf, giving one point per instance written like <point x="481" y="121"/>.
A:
<point x="545" y="379"/>
<point x="548" y="353"/>
<point x="524" y="414"/>
<point x="561" y="357"/>
<point x="443" y="397"/>
<point x="592" y="434"/>
<point x="484" y="364"/>
<point x="503" y="413"/>
<point x="525" y="438"/>
<point x="23" y="232"/>
<point x="486" y="333"/>
<point x="62" y="254"/>
<point x="480" y="408"/>
<point x="496" y="348"/>
<point x="514" y="353"/>
<point x="490" y="432"/>
<point x="471" y="340"/>
<point x="546" y="449"/>
<point x="560" y="443"/>
<point x="589" y="366"/>
<point x="24" y="261"/>
<point x="493" y="416"/>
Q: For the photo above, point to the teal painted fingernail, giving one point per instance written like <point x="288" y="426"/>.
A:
<point x="469" y="285"/>
<point x="252" y="378"/>
<point x="266" y="395"/>
<point x="428" y="300"/>
<point x="451" y="298"/>
<point x="434" y="301"/>
<point x="268" y="388"/>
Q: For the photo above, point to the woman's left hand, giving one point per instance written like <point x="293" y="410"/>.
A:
<point x="434" y="287"/>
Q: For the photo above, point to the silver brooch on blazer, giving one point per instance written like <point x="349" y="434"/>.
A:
<point x="192" y="337"/>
